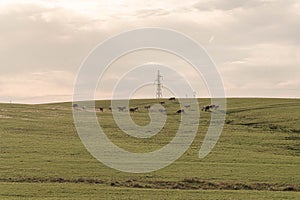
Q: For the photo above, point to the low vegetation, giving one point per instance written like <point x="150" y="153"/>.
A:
<point x="257" y="156"/>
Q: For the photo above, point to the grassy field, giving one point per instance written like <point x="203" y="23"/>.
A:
<point x="257" y="156"/>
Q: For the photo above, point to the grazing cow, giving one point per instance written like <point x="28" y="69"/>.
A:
<point x="205" y="108"/>
<point x="75" y="105"/>
<point x="172" y="98"/>
<point x="101" y="109"/>
<point x="180" y="111"/>
<point x="147" y="107"/>
<point x="133" y="109"/>
<point x="121" y="108"/>
<point x="187" y="106"/>
<point x="109" y="108"/>
<point x="210" y="107"/>
<point x="161" y="102"/>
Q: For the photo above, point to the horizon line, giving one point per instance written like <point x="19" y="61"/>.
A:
<point x="108" y="99"/>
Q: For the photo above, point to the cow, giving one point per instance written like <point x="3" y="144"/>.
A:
<point x="147" y="107"/>
<point x="205" y="108"/>
<point x="109" y="108"/>
<point x="187" y="106"/>
<point x="180" y="111"/>
<point x="162" y="103"/>
<point x="75" y="105"/>
<point x="132" y="110"/>
<point x="101" y="109"/>
<point x="210" y="107"/>
<point x="172" y="98"/>
<point x="121" y="108"/>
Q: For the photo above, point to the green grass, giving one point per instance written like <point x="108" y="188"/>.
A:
<point x="87" y="191"/>
<point x="257" y="156"/>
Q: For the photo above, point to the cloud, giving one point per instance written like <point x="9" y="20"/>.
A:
<point x="255" y="44"/>
<point x="34" y="37"/>
<point x="227" y="5"/>
<point x="267" y="67"/>
<point x="31" y="86"/>
<point x="151" y="12"/>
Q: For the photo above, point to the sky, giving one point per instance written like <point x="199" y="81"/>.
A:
<point x="255" y="45"/>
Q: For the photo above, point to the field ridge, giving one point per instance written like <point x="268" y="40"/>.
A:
<point x="185" y="184"/>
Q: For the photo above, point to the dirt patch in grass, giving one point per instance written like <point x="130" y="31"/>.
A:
<point x="196" y="184"/>
<point x="186" y="184"/>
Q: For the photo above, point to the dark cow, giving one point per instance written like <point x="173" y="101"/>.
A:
<point x="180" y="111"/>
<point x="101" y="109"/>
<point x="210" y="107"/>
<point x="109" y="108"/>
<point x="75" y="105"/>
<point x="132" y="110"/>
<point x="205" y="108"/>
<point x="161" y="102"/>
<point x="172" y="98"/>
<point x="147" y="107"/>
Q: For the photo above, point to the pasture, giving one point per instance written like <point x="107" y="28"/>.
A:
<point x="256" y="157"/>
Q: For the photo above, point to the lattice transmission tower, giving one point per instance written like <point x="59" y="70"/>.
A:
<point x="158" y="83"/>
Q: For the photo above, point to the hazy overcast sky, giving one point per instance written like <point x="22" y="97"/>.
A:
<point x="255" y="44"/>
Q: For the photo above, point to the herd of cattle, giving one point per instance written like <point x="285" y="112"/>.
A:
<point x="148" y="107"/>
